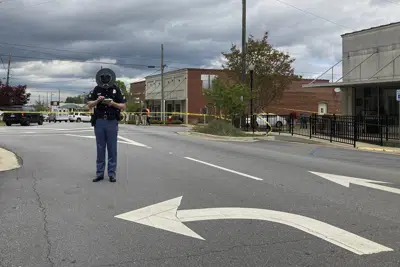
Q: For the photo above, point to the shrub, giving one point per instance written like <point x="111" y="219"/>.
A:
<point x="219" y="127"/>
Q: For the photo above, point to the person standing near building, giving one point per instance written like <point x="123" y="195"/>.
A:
<point x="144" y="116"/>
<point x="148" y="116"/>
<point x="107" y="101"/>
<point x="137" y="116"/>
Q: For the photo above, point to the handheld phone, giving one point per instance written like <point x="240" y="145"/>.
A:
<point x="107" y="100"/>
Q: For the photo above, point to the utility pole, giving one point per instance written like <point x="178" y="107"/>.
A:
<point x="243" y="41"/>
<point x="162" y="84"/>
<point x="47" y="99"/>
<point x="8" y="70"/>
<point x="59" y="97"/>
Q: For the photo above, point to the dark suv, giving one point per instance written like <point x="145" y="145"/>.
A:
<point x="24" y="117"/>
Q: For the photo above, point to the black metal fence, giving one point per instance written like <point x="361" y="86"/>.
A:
<point x="379" y="130"/>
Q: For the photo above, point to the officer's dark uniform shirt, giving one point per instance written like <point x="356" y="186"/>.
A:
<point x="103" y="110"/>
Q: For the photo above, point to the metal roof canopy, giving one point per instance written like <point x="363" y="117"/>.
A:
<point x="361" y="83"/>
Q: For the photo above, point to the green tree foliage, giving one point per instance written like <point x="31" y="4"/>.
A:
<point x="40" y="106"/>
<point x="13" y="95"/>
<point x="79" y="99"/>
<point x="122" y="86"/>
<point x="229" y="99"/>
<point x="132" y="107"/>
<point x="273" y="72"/>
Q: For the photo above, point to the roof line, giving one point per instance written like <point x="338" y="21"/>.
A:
<point x="389" y="25"/>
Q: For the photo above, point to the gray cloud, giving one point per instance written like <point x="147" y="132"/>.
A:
<point x="194" y="34"/>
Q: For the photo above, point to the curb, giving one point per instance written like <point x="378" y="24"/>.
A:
<point x="378" y="149"/>
<point x="224" y="138"/>
<point x="9" y="160"/>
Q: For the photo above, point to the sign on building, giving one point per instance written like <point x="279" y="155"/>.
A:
<point x="398" y="94"/>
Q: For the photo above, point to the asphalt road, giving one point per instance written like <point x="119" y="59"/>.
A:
<point x="52" y="214"/>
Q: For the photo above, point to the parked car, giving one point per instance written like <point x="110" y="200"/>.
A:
<point x="272" y="119"/>
<point x="23" y="118"/>
<point x="79" y="117"/>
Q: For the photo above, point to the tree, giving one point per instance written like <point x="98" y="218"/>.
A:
<point x="273" y="72"/>
<point x="80" y="99"/>
<point x="229" y="99"/>
<point x="13" y="95"/>
<point x="132" y="107"/>
<point x="122" y="86"/>
<point x="40" y="106"/>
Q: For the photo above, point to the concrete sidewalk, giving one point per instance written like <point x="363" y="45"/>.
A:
<point x="8" y="160"/>
<point x="359" y="145"/>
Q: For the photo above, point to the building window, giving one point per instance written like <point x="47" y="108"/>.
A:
<point x="207" y="80"/>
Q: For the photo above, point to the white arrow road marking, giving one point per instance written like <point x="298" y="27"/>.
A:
<point x="225" y="169"/>
<point x="119" y="141"/>
<point x="132" y="142"/>
<point x="166" y="216"/>
<point x="346" y="181"/>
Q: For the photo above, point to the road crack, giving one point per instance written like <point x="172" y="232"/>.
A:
<point x="45" y="221"/>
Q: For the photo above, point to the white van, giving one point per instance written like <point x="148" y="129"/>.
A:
<point x="58" y="117"/>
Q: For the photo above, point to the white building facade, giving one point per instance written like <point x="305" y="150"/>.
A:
<point x="371" y="72"/>
<point x="175" y="91"/>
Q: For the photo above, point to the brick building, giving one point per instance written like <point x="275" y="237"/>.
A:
<point x="183" y="91"/>
<point x="321" y="100"/>
<point x="137" y="92"/>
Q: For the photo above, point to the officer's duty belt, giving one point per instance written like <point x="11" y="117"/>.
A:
<point x="106" y="117"/>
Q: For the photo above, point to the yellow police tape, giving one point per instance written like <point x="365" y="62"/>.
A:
<point x="128" y="113"/>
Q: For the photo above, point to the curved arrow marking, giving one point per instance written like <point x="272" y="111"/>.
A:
<point x="165" y="215"/>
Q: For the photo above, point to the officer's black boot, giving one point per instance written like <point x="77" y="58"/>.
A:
<point x="112" y="179"/>
<point x="98" y="178"/>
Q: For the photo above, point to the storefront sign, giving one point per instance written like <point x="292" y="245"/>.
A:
<point x="398" y="94"/>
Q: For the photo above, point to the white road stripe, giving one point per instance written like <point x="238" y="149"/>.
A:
<point x="225" y="169"/>
<point x="133" y="142"/>
<point x="126" y="140"/>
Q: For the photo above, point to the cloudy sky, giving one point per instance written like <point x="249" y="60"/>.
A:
<point x="60" y="44"/>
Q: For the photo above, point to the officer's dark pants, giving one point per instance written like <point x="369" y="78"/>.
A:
<point x="106" y="132"/>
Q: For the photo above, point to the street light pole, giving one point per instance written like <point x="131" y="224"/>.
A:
<point x="251" y="68"/>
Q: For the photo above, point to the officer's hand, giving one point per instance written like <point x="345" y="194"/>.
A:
<point x="111" y="103"/>
<point x="100" y="98"/>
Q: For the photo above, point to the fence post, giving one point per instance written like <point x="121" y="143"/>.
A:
<point x="310" y="126"/>
<point x="354" y="131"/>
<point x="380" y="130"/>
<point x="387" y="128"/>
<point x="292" y="123"/>
<point x="331" y="129"/>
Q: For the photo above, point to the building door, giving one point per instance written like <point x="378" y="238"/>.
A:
<point x="322" y="108"/>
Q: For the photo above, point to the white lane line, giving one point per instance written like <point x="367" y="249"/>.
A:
<point x="126" y="140"/>
<point x="133" y="142"/>
<point x="84" y="136"/>
<point x="225" y="169"/>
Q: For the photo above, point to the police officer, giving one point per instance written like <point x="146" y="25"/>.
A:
<point x="106" y="116"/>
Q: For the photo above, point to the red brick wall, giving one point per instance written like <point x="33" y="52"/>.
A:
<point x="303" y="100"/>
<point x="196" y="99"/>
<point x="137" y="89"/>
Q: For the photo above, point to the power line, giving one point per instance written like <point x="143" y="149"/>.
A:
<point x="79" y="52"/>
<point x="315" y="15"/>
<point x="83" y="61"/>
